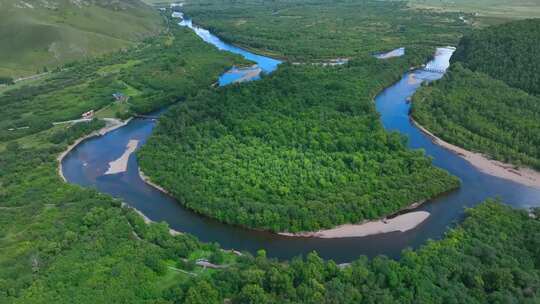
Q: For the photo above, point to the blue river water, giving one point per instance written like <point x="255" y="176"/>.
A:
<point x="266" y="64"/>
<point x="86" y="164"/>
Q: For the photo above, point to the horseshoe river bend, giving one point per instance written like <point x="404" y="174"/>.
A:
<point x="87" y="163"/>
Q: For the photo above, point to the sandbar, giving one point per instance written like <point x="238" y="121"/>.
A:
<point x="522" y="175"/>
<point x="400" y="223"/>
<point x="120" y="165"/>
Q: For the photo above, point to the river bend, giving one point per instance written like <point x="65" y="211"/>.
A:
<point x="87" y="163"/>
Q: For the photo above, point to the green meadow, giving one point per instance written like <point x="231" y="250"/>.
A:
<point x="37" y="35"/>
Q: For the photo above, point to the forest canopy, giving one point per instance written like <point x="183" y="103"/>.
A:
<point x="302" y="149"/>
<point x="315" y="30"/>
<point x="488" y="100"/>
<point x="508" y="52"/>
<point x="62" y="243"/>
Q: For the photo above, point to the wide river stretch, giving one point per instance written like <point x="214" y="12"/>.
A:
<point x="86" y="164"/>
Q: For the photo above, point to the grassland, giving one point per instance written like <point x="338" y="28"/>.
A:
<point x="44" y="34"/>
<point x="489" y="11"/>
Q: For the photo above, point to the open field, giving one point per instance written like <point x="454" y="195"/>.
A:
<point x="490" y="11"/>
<point x="38" y="35"/>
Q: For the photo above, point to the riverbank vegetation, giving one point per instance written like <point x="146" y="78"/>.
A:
<point x="63" y="244"/>
<point x="470" y="107"/>
<point x="479" y="113"/>
<point x="322" y="30"/>
<point x="158" y="72"/>
<point x="491" y="258"/>
<point x="300" y="150"/>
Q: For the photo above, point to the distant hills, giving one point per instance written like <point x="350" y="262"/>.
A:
<point x="38" y="34"/>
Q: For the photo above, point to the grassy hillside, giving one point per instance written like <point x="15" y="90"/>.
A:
<point x="152" y="75"/>
<point x="488" y="101"/>
<point x="38" y="34"/>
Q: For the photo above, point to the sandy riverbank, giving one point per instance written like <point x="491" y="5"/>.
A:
<point x="525" y="176"/>
<point x="147" y="180"/>
<point x="247" y="73"/>
<point x="112" y="124"/>
<point x="400" y="223"/>
<point x="120" y="165"/>
<point x="250" y="74"/>
<point x="147" y="220"/>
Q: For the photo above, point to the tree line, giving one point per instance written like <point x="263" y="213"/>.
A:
<point x="320" y="30"/>
<point x="506" y="52"/>
<point x="62" y="243"/>
<point x="487" y="100"/>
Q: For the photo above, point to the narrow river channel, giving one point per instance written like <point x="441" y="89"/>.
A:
<point x="86" y="164"/>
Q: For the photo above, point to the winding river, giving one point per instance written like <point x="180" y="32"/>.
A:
<point x="86" y="164"/>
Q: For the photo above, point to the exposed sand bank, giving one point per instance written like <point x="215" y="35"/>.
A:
<point x="391" y="54"/>
<point x="525" y="176"/>
<point x="120" y="165"/>
<point x="147" y="220"/>
<point x="247" y="73"/>
<point x="112" y="124"/>
<point x="400" y="223"/>
<point x="147" y="180"/>
<point x="250" y="74"/>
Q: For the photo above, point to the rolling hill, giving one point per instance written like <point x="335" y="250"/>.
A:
<point x="47" y="33"/>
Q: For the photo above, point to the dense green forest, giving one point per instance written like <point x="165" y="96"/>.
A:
<point x="160" y="71"/>
<point x="60" y="243"/>
<point x="318" y="29"/>
<point x="302" y="149"/>
<point x="493" y="257"/>
<point x="507" y="52"/>
<point x="479" y="113"/>
<point x="471" y="108"/>
<point x="64" y="244"/>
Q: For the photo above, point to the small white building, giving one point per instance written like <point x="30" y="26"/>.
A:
<point x="88" y="115"/>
